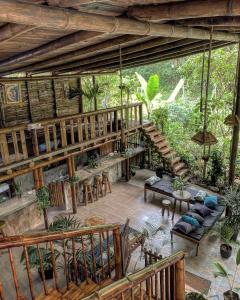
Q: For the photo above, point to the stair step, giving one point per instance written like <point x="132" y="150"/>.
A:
<point x="171" y="155"/>
<point x="52" y="295"/>
<point x="150" y="129"/>
<point x="175" y="160"/>
<point x="158" y="138"/>
<point x="165" y="150"/>
<point x="182" y="172"/>
<point x="177" y="167"/>
<point x="161" y="145"/>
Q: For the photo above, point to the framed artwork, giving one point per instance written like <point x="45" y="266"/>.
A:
<point x="12" y="93"/>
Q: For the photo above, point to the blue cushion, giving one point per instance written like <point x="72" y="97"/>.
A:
<point x="211" y="201"/>
<point x="190" y="220"/>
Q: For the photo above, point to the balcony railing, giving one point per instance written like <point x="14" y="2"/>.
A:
<point x="28" y="144"/>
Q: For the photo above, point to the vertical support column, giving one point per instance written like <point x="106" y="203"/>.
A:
<point x="180" y="280"/>
<point x="95" y="98"/>
<point x="71" y="173"/>
<point x="79" y="85"/>
<point x="140" y="114"/>
<point x="235" y="134"/>
<point x="117" y="254"/>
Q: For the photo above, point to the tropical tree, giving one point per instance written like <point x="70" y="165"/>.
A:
<point x="149" y="91"/>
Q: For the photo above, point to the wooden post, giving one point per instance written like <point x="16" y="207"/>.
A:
<point x="95" y="98"/>
<point x="180" y="280"/>
<point x="79" y="86"/>
<point x="118" y="254"/>
<point x="235" y="134"/>
<point x="140" y="114"/>
<point x="71" y="173"/>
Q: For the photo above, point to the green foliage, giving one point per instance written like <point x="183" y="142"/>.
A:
<point x="159" y="116"/>
<point x="74" y="179"/>
<point x="232" y="200"/>
<point x="194" y="296"/>
<point x="224" y="231"/>
<point x="178" y="184"/>
<point x="222" y="271"/>
<point x="149" y="91"/>
<point x="18" y="188"/>
<point x="42" y="195"/>
<point x="64" y="223"/>
<point x="217" y="167"/>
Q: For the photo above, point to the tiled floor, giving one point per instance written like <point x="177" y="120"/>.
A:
<point x="127" y="200"/>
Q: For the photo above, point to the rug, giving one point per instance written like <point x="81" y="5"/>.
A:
<point x="197" y="283"/>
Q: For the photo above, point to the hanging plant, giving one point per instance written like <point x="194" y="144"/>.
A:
<point x="43" y="198"/>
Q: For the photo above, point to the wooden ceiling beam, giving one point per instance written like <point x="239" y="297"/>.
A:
<point x="13" y="11"/>
<point x="217" y="21"/>
<point x="62" y="42"/>
<point x="80" y="53"/>
<point x="185" y="10"/>
<point x="147" y="54"/>
<point x="10" y="31"/>
<point x="156" y="58"/>
<point x="159" y="42"/>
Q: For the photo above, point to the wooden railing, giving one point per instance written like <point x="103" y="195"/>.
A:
<point x="49" y="138"/>
<point x="74" y="256"/>
<point x="163" y="280"/>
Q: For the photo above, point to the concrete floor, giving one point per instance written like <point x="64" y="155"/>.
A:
<point x="126" y="200"/>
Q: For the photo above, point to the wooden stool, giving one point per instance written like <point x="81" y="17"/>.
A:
<point x="166" y="204"/>
<point x="87" y="192"/>
<point x="106" y="183"/>
<point x="98" y="186"/>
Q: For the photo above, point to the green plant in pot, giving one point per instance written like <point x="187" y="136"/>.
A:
<point x="179" y="184"/>
<point x="46" y="259"/>
<point x="217" y="167"/>
<point x="74" y="179"/>
<point x="221" y="271"/>
<point x="232" y="202"/>
<point x="225" y="232"/>
<point x="18" y="189"/>
<point x="43" y="201"/>
<point x="194" y="296"/>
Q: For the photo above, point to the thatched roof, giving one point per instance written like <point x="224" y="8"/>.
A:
<point x="82" y="36"/>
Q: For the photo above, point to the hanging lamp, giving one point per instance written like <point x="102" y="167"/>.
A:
<point x="232" y="119"/>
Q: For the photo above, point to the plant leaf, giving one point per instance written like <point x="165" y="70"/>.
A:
<point x="220" y="270"/>
<point x="238" y="257"/>
<point x="152" y="87"/>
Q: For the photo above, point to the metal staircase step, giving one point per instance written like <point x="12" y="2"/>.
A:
<point x="177" y="167"/>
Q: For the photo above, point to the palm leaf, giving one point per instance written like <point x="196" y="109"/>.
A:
<point x="220" y="270"/>
<point x="238" y="257"/>
<point x="143" y="83"/>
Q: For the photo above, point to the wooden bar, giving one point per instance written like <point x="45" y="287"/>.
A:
<point x="35" y="142"/>
<point x="118" y="254"/>
<point x="72" y="132"/>
<point x="47" y="139"/>
<point x="63" y="133"/>
<point x="15" y="145"/>
<point x="29" y="272"/>
<point x="92" y="122"/>
<point x="80" y="135"/>
<point x="55" y="137"/>
<point x="86" y="128"/>
<point x="180" y="280"/>
<point x="23" y="143"/>
<point x="4" y="148"/>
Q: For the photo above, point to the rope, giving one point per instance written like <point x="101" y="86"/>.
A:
<point x="202" y="81"/>
<point x="236" y="81"/>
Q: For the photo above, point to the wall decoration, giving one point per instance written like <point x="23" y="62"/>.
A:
<point x="12" y="93"/>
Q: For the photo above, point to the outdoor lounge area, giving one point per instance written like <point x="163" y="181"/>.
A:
<point x="119" y="149"/>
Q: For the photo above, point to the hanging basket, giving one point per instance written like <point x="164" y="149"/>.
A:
<point x="204" y="138"/>
<point x="232" y="120"/>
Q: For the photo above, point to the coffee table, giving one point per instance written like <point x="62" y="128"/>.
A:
<point x="182" y="196"/>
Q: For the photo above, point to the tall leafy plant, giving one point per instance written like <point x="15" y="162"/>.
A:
<point x="149" y="91"/>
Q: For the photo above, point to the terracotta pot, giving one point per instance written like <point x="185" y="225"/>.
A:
<point x="230" y="295"/>
<point x="225" y="250"/>
<point x="48" y="274"/>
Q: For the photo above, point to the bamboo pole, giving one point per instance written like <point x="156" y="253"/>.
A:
<point x="66" y="19"/>
<point x="71" y="173"/>
<point x="185" y="10"/>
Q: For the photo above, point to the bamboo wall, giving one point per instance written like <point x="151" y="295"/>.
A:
<point x="42" y="99"/>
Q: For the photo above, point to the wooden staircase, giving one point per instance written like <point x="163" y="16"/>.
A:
<point x="170" y="157"/>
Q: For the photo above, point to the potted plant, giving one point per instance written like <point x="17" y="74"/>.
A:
<point x="194" y="296"/>
<point x="74" y="179"/>
<point x="221" y="271"/>
<point x="217" y="167"/>
<point x="18" y="189"/>
<point x="232" y="202"/>
<point x="225" y="232"/>
<point x="46" y="258"/>
<point x="43" y="201"/>
<point x="179" y="184"/>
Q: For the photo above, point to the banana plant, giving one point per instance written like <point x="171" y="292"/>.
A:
<point x="149" y="91"/>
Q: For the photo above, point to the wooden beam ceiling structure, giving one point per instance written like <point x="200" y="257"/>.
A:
<point x="61" y="36"/>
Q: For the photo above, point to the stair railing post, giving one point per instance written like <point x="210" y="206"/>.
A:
<point x="118" y="254"/>
<point x="140" y="114"/>
<point x="180" y="279"/>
